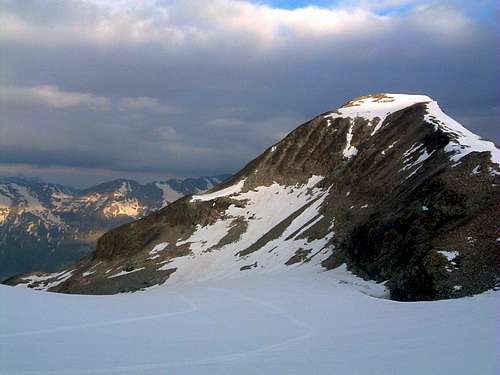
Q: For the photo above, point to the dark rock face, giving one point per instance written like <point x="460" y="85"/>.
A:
<point x="405" y="197"/>
<point x="46" y="226"/>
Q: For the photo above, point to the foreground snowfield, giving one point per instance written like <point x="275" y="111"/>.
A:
<point x="308" y="322"/>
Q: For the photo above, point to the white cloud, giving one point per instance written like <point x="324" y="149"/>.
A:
<point x="379" y="4"/>
<point x="242" y="73"/>
<point x="52" y="96"/>
<point x="145" y="103"/>
<point x="447" y="24"/>
<point x="202" y="24"/>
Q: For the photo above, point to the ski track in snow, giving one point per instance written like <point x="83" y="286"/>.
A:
<point x="326" y="322"/>
<point x="308" y="330"/>
<point x="193" y="307"/>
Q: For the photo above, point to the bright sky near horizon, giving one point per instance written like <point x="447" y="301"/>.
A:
<point x="91" y="90"/>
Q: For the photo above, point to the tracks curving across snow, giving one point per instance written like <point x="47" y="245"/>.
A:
<point x="192" y="307"/>
<point x="287" y="324"/>
<point x="308" y="329"/>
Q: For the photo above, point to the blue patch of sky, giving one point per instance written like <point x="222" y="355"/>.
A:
<point x="294" y="4"/>
<point x="291" y="4"/>
<point x="481" y="10"/>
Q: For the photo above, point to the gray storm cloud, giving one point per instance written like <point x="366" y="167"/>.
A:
<point x="188" y="88"/>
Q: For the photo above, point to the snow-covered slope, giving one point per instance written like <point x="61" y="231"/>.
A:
<point x="44" y="226"/>
<point x="300" y="322"/>
<point x="386" y="184"/>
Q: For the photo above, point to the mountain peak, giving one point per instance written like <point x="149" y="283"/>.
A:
<point x="379" y="105"/>
<point x="387" y="184"/>
<point x="381" y="99"/>
<point x="374" y="109"/>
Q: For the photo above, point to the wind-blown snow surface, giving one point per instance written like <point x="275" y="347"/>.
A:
<point x="301" y="322"/>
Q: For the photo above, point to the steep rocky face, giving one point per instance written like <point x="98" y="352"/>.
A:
<point x="46" y="226"/>
<point x="387" y="184"/>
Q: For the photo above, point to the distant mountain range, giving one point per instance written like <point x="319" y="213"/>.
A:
<point x="45" y="226"/>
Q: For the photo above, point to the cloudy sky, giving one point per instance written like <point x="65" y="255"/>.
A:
<point x="91" y="90"/>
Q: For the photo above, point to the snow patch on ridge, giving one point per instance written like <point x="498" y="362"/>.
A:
<point x="449" y="255"/>
<point x="375" y="108"/>
<point x="168" y="194"/>
<point x="58" y="278"/>
<point x="159" y="247"/>
<point x="349" y="150"/>
<point x="389" y="147"/>
<point x="236" y="188"/>
<point x="125" y="273"/>
<point x="408" y="155"/>
<point x="464" y="141"/>
<point x="264" y="208"/>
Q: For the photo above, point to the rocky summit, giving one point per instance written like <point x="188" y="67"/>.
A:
<point x="46" y="226"/>
<point x="387" y="184"/>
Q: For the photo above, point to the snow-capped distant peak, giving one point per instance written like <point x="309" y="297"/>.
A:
<point x="41" y="221"/>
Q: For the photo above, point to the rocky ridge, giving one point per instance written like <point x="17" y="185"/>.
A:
<point x="387" y="184"/>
